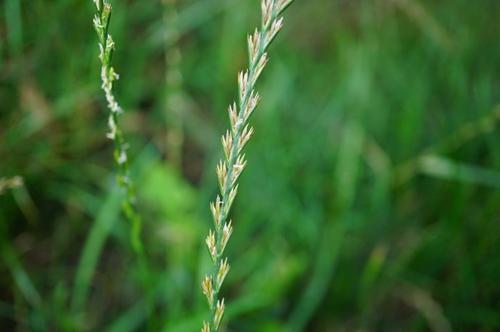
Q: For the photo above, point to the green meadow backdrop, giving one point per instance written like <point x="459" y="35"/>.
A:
<point x="371" y="199"/>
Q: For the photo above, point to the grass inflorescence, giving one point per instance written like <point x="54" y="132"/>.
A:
<point x="233" y="142"/>
<point x="108" y="77"/>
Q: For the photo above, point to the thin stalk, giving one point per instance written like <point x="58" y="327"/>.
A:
<point x="230" y="168"/>
<point x="108" y="76"/>
<point x="173" y="84"/>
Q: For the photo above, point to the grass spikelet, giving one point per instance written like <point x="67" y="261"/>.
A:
<point x="108" y="77"/>
<point x="233" y="141"/>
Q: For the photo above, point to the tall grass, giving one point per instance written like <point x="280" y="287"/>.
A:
<point x="108" y="77"/>
<point x="233" y="142"/>
<point x="370" y="200"/>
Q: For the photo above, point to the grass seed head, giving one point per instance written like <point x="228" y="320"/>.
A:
<point x="233" y="141"/>
<point x="221" y="274"/>
<point x="208" y="290"/>
<point x="219" y="312"/>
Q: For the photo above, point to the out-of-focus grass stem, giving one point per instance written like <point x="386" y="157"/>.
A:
<point x="108" y="77"/>
<point x="173" y="85"/>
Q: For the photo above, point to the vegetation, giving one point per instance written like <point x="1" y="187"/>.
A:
<point x="370" y="202"/>
<point x="232" y="165"/>
<point x="108" y="76"/>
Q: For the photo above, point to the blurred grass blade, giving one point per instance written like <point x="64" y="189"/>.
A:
<point x="346" y="178"/>
<point x="20" y="277"/>
<point x="188" y="19"/>
<point x="37" y="314"/>
<point x="426" y="22"/>
<point x="324" y="267"/>
<point x="423" y="301"/>
<point x="443" y="168"/>
<point x="26" y="204"/>
<point x="13" y="21"/>
<point x="130" y="320"/>
<point x="373" y="268"/>
<point x="347" y="170"/>
<point x="106" y="217"/>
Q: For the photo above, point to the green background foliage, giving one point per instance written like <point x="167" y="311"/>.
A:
<point x="371" y="200"/>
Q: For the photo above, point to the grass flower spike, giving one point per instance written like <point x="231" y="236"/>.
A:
<point x="233" y="141"/>
<point x="108" y="76"/>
